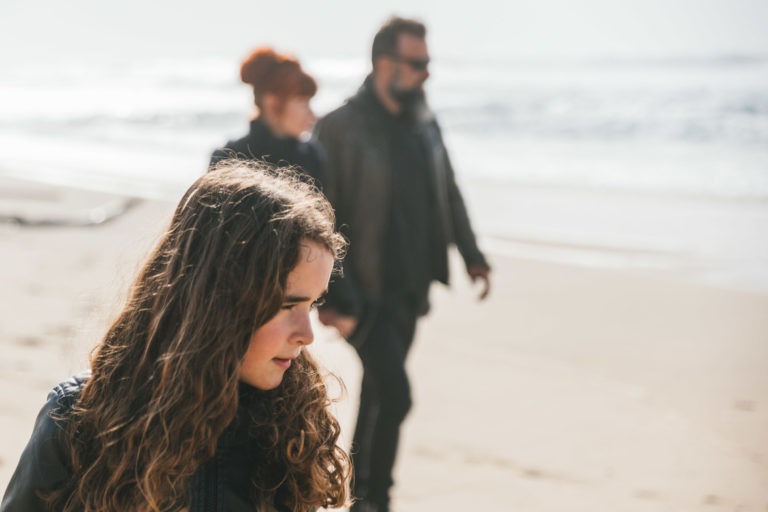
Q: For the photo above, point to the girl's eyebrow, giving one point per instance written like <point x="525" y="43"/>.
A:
<point x="295" y="298"/>
<point x="298" y="298"/>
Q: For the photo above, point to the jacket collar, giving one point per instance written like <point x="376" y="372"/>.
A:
<point x="260" y="129"/>
<point x="367" y="99"/>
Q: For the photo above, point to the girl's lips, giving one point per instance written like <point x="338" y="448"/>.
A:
<point x="282" y="363"/>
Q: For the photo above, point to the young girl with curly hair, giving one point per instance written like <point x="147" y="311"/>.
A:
<point x="201" y="396"/>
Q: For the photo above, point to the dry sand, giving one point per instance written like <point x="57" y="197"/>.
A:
<point x="570" y="389"/>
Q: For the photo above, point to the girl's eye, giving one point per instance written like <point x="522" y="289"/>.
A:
<point x="291" y="305"/>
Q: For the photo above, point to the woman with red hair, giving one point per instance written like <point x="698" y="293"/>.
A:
<point x="281" y="92"/>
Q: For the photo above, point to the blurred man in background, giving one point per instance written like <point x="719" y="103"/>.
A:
<point x="392" y="185"/>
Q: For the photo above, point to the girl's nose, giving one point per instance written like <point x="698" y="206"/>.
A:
<point x="304" y="334"/>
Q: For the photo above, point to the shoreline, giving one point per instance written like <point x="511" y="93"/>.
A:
<point x="703" y="240"/>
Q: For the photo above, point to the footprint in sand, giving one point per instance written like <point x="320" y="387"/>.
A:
<point x="533" y="473"/>
<point x="427" y="453"/>
<point x="34" y="290"/>
<point x="647" y="494"/>
<point x="60" y="330"/>
<point x="744" y="405"/>
<point x="29" y="341"/>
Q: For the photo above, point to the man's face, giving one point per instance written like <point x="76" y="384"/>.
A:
<point x="409" y="66"/>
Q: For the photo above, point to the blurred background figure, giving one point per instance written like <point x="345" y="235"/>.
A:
<point x="392" y="185"/>
<point x="282" y="91"/>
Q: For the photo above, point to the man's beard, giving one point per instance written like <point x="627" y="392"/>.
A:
<point x="410" y="100"/>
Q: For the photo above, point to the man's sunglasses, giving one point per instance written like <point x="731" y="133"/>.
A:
<point x="416" y="64"/>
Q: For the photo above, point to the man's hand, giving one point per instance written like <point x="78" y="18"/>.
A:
<point x="483" y="273"/>
<point x="345" y="324"/>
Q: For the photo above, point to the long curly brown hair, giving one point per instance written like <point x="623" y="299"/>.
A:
<point x="164" y="384"/>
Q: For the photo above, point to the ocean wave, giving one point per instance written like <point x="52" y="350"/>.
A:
<point x="589" y="123"/>
<point x="613" y="99"/>
<point x="696" y="115"/>
<point x="624" y="61"/>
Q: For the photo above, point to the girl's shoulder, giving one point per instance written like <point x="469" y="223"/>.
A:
<point x="65" y="394"/>
<point x="45" y="462"/>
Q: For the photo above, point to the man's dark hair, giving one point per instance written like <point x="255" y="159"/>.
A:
<point x="385" y="40"/>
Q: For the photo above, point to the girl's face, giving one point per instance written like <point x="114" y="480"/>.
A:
<point x="277" y="343"/>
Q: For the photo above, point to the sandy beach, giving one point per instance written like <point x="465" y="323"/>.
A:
<point x="570" y="389"/>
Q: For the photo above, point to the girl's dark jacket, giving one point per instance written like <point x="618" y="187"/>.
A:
<point x="220" y="485"/>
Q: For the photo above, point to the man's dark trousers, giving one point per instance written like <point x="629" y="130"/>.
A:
<point x="385" y="395"/>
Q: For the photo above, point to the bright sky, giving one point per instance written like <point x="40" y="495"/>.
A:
<point x="527" y="28"/>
